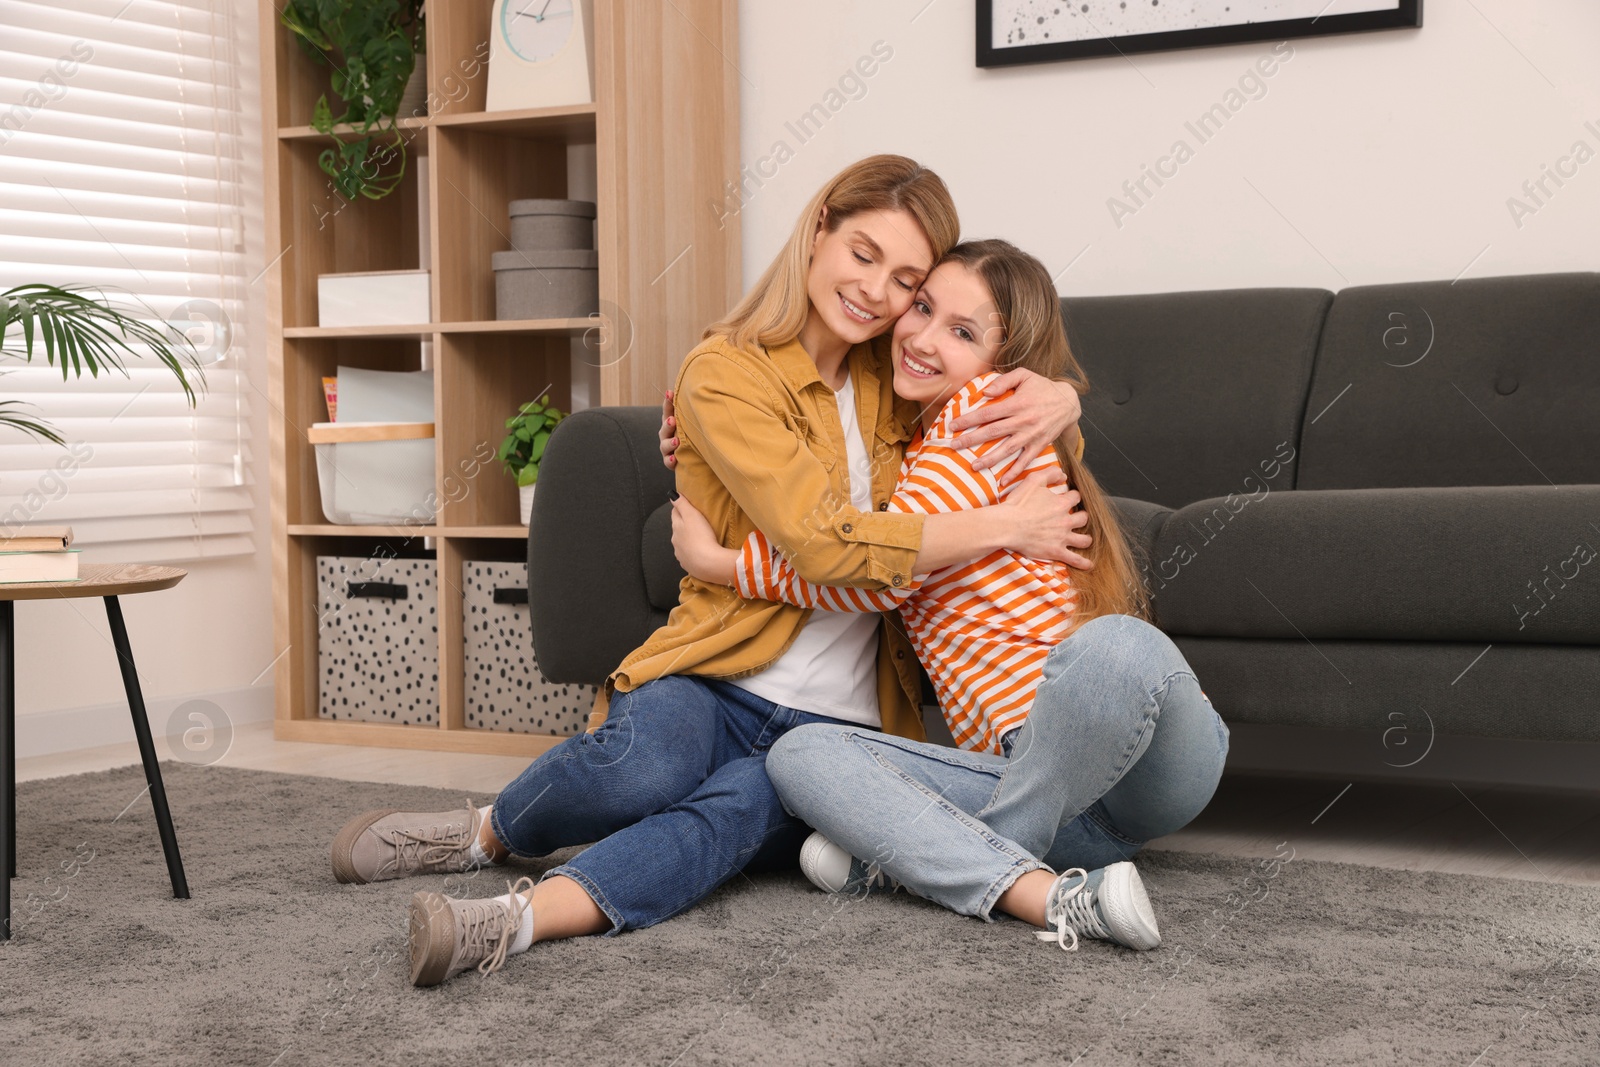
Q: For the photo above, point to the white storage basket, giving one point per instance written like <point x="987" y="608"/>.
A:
<point x="377" y="640"/>
<point x="375" y="473"/>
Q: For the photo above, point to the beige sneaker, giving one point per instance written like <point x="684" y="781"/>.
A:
<point x="448" y="935"/>
<point x="379" y="845"/>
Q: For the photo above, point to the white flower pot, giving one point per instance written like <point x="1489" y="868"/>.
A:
<point x="525" y="498"/>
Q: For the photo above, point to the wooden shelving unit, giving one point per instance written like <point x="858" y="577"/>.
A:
<point x="654" y="152"/>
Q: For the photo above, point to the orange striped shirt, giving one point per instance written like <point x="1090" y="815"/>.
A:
<point x="982" y="629"/>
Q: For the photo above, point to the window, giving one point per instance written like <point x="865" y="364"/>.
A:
<point x="120" y="166"/>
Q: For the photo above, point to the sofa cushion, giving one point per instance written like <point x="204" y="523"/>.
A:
<point x="1489" y="381"/>
<point x="1481" y="563"/>
<point x="1197" y="394"/>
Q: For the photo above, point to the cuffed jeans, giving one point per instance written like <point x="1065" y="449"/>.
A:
<point x="672" y="788"/>
<point x="1119" y="747"/>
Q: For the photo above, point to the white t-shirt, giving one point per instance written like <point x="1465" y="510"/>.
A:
<point x="831" y="669"/>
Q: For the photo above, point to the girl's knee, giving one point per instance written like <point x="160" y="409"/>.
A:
<point x="807" y="740"/>
<point x="799" y="755"/>
<point x="1119" y="646"/>
<point x="1122" y="632"/>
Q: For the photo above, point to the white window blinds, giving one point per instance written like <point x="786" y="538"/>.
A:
<point x="121" y="166"/>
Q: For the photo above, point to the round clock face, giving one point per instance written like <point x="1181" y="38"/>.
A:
<point x="535" y="30"/>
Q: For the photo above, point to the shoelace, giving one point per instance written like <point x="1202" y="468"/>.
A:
<point x="427" y="849"/>
<point x="874" y="875"/>
<point x="482" y="928"/>
<point x="1071" y="910"/>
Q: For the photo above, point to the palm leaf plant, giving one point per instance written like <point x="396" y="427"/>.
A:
<point x="76" y="333"/>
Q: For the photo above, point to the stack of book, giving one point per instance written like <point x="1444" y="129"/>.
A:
<point x="38" y="554"/>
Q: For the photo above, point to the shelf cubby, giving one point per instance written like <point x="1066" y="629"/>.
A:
<point x="306" y="362"/>
<point x="306" y="618"/>
<point x="452" y="656"/>
<point x="480" y="173"/>
<point x="326" y="233"/>
<point x="482" y="380"/>
<point x="298" y="79"/>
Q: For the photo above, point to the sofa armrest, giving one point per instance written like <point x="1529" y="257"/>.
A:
<point x="599" y="481"/>
<point x="1141" y="521"/>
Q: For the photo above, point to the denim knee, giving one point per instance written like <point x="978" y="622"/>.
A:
<point x="800" y="756"/>
<point x="1119" y="646"/>
<point x="654" y="749"/>
<point x="742" y="786"/>
<point x="1124" y="633"/>
<point x="805" y="742"/>
<point x="625" y="747"/>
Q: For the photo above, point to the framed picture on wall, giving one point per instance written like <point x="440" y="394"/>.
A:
<point x="1036" y="31"/>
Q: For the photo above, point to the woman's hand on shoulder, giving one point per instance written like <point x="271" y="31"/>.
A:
<point x="695" y="544"/>
<point x="1043" y="519"/>
<point x="669" y="432"/>
<point x="1038" y="411"/>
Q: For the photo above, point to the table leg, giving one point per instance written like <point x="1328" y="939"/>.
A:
<point x="147" y="749"/>
<point x="8" y="760"/>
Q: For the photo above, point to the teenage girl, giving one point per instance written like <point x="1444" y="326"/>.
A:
<point x="787" y="422"/>
<point x="1083" y="731"/>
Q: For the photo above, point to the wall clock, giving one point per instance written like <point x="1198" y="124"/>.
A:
<point x="541" y="54"/>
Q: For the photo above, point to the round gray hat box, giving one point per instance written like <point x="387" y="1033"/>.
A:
<point x="551" y="224"/>
<point x="546" y="285"/>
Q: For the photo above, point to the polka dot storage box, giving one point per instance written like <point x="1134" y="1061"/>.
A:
<point x="503" y="687"/>
<point x="378" y="640"/>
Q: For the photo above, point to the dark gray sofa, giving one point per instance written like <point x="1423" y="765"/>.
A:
<point x="1354" y="510"/>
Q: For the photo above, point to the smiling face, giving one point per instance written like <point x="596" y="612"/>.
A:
<point x="864" y="273"/>
<point x="949" y="336"/>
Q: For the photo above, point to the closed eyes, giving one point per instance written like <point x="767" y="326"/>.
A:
<point x="867" y="261"/>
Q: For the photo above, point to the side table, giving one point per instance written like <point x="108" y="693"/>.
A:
<point x="109" y="581"/>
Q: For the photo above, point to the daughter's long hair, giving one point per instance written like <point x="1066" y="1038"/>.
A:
<point x="775" y="308"/>
<point x="1035" y="338"/>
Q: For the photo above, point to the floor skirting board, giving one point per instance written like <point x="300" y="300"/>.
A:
<point x="198" y="721"/>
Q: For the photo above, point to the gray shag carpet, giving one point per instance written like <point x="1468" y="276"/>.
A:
<point x="273" y="963"/>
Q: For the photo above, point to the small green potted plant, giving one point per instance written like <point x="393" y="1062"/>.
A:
<point x="523" y="448"/>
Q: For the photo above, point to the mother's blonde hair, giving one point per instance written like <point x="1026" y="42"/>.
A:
<point x="774" y="310"/>
<point x="1036" y="338"/>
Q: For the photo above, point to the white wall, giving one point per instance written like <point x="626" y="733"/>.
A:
<point x="1364" y="158"/>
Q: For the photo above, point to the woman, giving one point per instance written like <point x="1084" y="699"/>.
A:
<point x="1086" y="731"/>
<point x="789" y="423"/>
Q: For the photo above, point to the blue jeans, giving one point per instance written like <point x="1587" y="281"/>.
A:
<point x="1120" y="747"/>
<point x="672" y="788"/>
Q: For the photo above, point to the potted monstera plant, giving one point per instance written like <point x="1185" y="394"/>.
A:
<point x="523" y="448"/>
<point x="374" y="48"/>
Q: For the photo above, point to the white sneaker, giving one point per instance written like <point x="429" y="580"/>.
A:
<point x="1109" y="903"/>
<point x="833" y="870"/>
